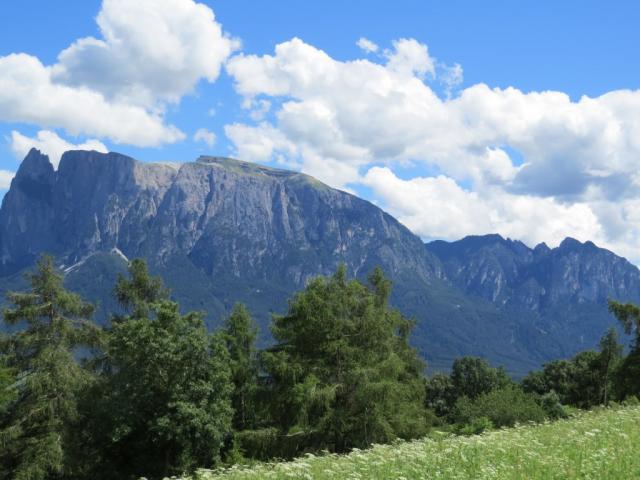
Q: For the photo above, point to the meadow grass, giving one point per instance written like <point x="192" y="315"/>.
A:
<point x="601" y="444"/>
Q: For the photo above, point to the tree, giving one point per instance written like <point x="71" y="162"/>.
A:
<point x="628" y="376"/>
<point x="473" y="376"/>
<point x="240" y="334"/>
<point x="585" y="389"/>
<point x="557" y="376"/>
<point x="166" y="387"/>
<point x="7" y="383"/>
<point x="342" y="367"/>
<point x="37" y="432"/>
<point x="440" y="395"/>
<point x="504" y="407"/>
<point x="608" y="362"/>
<point x="584" y="381"/>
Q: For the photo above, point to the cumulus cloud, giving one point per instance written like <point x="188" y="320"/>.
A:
<point x="50" y="144"/>
<point x="205" y="136"/>
<point x="28" y="94"/>
<point x="151" y="52"/>
<point x="518" y="153"/>
<point x="367" y="45"/>
<point x="450" y="77"/>
<point x="437" y="207"/>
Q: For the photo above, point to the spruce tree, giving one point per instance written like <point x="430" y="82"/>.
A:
<point x="36" y="433"/>
<point x="166" y="386"/>
<point x="240" y="334"/>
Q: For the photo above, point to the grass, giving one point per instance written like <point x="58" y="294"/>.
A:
<point x="601" y="444"/>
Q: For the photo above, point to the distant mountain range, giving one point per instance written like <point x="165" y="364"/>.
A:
<point x="221" y="230"/>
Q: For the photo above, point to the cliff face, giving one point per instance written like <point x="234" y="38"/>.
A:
<point x="509" y="273"/>
<point x="220" y="230"/>
<point x="228" y="217"/>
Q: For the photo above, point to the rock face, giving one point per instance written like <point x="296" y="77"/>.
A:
<point x="509" y="273"/>
<point x="563" y="290"/>
<point x="220" y="230"/>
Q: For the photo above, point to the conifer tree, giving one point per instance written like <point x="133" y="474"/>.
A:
<point x="608" y="362"/>
<point x="240" y="334"/>
<point x="342" y="367"/>
<point x="628" y="375"/>
<point x="167" y="386"/>
<point x="36" y="433"/>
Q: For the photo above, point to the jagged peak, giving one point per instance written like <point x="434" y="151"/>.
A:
<point x="570" y="243"/>
<point x="542" y="247"/>
<point x="35" y="165"/>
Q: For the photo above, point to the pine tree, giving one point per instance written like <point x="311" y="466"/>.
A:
<point x="166" y="387"/>
<point x="240" y="334"/>
<point x="36" y="434"/>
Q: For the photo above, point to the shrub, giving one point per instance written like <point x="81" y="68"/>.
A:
<point x="550" y="403"/>
<point x="504" y="407"/>
<point x="475" y="427"/>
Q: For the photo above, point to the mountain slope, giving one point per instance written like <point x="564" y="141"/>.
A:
<point x="220" y="230"/>
<point x="564" y="289"/>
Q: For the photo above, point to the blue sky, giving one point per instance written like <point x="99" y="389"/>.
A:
<point x="469" y="117"/>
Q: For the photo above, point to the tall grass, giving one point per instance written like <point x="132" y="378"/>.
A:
<point x="602" y="444"/>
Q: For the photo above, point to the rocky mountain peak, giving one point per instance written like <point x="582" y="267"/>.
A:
<point x="35" y="165"/>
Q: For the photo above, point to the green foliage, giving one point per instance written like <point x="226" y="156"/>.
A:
<point x="628" y="374"/>
<point x="587" y="380"/>
<point x="475" y="427"/>
<point x="473" y="376"/>
<point x="628" y="315"/>
<point x="600" y="444"/>
<point x="37" y="432"/>
<point x="165" y="390"/>
<point x="7" y="383"/>
<point x="270" y="443"/>
<point x="240" y="334"/>
<point x="139" y="293"/>
<point x="550" y="403"/>
<point x="342" y="366"/>
<point x="504" y="407"/>
<point x="440" y="395"/>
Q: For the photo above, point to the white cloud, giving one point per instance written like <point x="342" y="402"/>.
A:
<point x="450" y="77"/>
<point x="437" y="207"/>
<point x="27" y="94"/>
<point x="204" y="135"/>
<point x="5" y="179"/>
<point x="116" y="87"/>
<point x="574" y="161"/>
<point x="367" y="45"/>
<point x="409" y="57"/>
<point x="50" y="144"/>
<point x="150" y="50"/>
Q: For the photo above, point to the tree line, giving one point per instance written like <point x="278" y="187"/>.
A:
<point x="155" y="394"/>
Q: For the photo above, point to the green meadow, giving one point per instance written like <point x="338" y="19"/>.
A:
<point x="599" y="444"/>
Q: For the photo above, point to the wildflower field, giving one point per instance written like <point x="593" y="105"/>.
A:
<point x="601" y="444"/>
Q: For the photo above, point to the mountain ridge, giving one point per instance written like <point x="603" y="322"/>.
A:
<point x="221" y="230"/>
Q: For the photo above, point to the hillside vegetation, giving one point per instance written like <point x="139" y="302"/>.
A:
<point x="597" y="444"/>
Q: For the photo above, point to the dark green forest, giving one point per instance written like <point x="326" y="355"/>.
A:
<point x="155" y="394"/>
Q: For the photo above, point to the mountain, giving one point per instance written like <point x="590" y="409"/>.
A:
<point x="564" y="290"/>
<point x="220" y="230"/>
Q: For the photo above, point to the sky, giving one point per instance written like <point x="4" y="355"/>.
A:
<point x="458" y="118"/>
